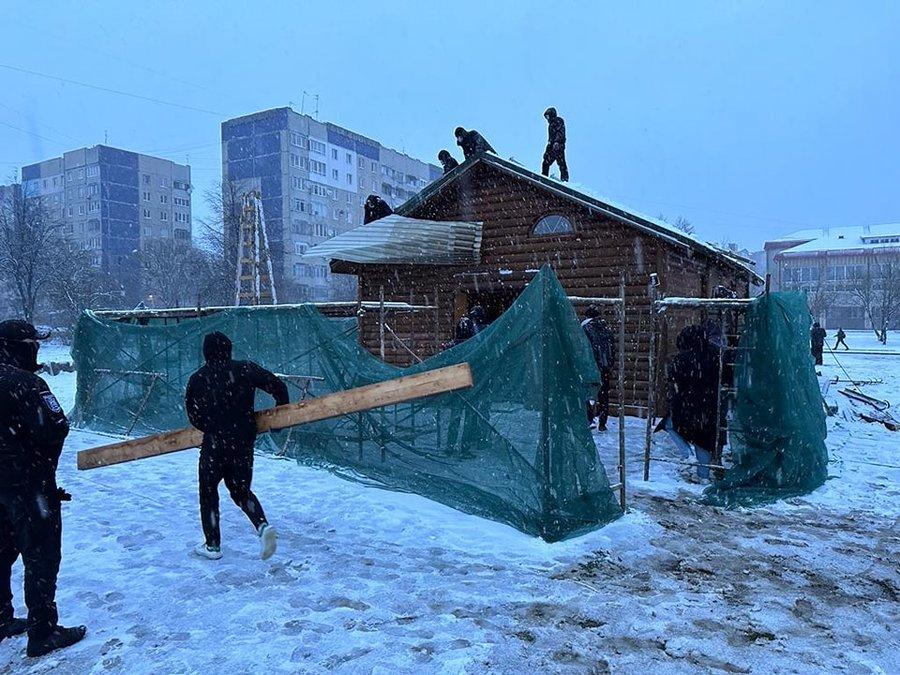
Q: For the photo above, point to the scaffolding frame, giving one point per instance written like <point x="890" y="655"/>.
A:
<point x="728" y="312"/>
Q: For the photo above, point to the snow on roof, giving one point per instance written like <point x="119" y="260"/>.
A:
<point x="398" y="239"/>
<point x="586" y="196"/>
<point x="857" y="237"/>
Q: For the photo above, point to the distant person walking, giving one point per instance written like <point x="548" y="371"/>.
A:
<point x="219" y="402"/>
<point x="556" y="145"/>
<point x="600" y="338"/>
<point x="817" y="342"/>
<point x="840" y="339"/>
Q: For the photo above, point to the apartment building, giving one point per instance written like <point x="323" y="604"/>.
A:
<point x="314" y="178"/>
<point x="828" y="263"/>
<point x="112" y="201"/>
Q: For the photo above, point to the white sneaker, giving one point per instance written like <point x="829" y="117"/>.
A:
<point x="208" y="552"/>
<point x="267" y="541"/>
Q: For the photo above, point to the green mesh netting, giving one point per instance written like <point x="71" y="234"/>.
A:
<point x="778" y="425"/>
<point x="514" y="448"/>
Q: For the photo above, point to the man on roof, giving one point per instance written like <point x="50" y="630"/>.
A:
<point x="472" y="143"/>
<point x="375" y="209"/>
<point x="556" y="144"/>
<point x="447" y="161"/>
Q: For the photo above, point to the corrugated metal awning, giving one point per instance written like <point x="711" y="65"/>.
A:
<point x="398" y="239"/>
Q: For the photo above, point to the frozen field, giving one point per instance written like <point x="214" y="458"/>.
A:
<point x="372" y="581"/>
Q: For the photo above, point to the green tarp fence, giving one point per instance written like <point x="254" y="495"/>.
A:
<point x="777" y="431"/>
<point x="515" y="448"/>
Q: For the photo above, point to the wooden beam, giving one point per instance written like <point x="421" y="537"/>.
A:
<point x="340" y="403"/>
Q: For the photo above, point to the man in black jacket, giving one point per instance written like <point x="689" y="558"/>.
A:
<point x="601" y="339"/>
<point x="693" y="376"/>
<point x="472" y="143"/>
<point x="817" y="341"/>
<point x="556" y="144"/>
<point x="447" y="161"/>
<point x="375" y="209"/>
<point x="219" y="402"/>
<point x="32" y="430"/>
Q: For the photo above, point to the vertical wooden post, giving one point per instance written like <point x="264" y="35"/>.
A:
<point x="717" y="449"/>
<point x="651" y="384"/>
<point x="437" y="323"/>
<point x="622" y="392"/>
<point x="381" y="320"/>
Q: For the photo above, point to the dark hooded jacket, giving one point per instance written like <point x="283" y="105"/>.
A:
<point x="447" y="161"/>
<point x="602" y="343"/>
<point x="472" y="143"/>
<point x="479" y="318"/>
<point x="33" y="425"/>
<point x="693" y="381"/>
<point x="375" y="209"/>
<point x="220" y="395"/>
<point x="556" y="128"/>
<point x="817" y="337"/>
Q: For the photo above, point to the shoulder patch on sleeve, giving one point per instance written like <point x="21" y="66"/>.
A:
<point x="51" y="402"/>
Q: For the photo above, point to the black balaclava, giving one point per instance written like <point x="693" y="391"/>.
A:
<point x="217" y="348"/>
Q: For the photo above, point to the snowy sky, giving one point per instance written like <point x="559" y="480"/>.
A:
<point x="750" y="119"/>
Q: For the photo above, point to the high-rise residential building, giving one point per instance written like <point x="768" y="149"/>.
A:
<point x="112" y="201"/>
<point x="314" y="178"/>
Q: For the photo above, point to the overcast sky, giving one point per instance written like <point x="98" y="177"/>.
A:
<point x="750" y="119"/>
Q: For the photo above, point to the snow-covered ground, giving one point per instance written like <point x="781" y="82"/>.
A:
<point x="367" y="580"/>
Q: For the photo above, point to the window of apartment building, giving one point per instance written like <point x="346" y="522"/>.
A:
<point x="349" y="197"/>
<point x="81" y="209"/>
<point x="320" y="230"/>
<point x="146" y="213"/>
<point x="148" y="231"/>
<point x="298" y="140"/>
<point x="93" y="206"/>
<point x="68" y="229"/>
<point x="70" y="211"/>
<point x="146" y="178"/>
<point x="163" y="215"/>
<point x="46" y="183"/>
<point x="81" y="173"/>
<point x="163" y="182"/>
<point x="182" y="235"/>
<point x="836" y="273"/>
<point x="93" y="170"/>
<point x="335" y="214"/>
<point x="164" y="199"/>
<point x="145" y="196"/>
<point x="361" y="162"/>
<point x="92" y="190"/>
<point x="317" y="167"/>
<point x="318" y="190"/>
<point x="298" y="205"/>
<point x="298" y="270"/>
<point x="316" y="146"/>
<point x="55" y="179"/>
<point x="80" y="191"/>
<point x="362" y="183"/>
<point x="349" y="158"/>
<point x="319" y="209"/>
<point x="295" y="160"/>
<point x="299" y="248"/>
<point x="334" y="174"/>
<point x="334" y="153"/>
<point x="349" y="217"/>
<point x="296" y="182"/>
<point x="374" y="167"/>
<point x="70" y="175"/>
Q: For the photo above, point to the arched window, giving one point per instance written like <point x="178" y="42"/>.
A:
<point x="549" y="225"/>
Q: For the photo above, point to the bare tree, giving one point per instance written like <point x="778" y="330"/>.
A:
<point x="174" y="273"/>
<point x="78" y="285"/>
<point x="876" y="288"/>
<point x="680" y="223"/>
<point x="820" y="299"/>
<point x="219" y="238"/>
<point x="32" y="248"/>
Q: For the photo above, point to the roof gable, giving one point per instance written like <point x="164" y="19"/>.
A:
<point x="606" y="207"/>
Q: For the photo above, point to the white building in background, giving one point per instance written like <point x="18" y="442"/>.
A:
<point x="827" y="262"/>
<point x="314" y="178"/>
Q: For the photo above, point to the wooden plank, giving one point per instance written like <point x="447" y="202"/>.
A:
<point x="354" y="400"/>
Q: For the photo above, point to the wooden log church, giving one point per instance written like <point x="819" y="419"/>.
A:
<point x="481" y="232"/>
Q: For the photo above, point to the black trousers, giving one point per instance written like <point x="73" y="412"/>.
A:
<point x="817" y="355"/>
<point x="839" y="343"/>
<point x="600" y="409"/>
<point x="559" y="156"/>
<point x="232" y="462"/>
<point x="31" y="526"/>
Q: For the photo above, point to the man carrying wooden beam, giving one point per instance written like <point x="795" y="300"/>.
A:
<point x="219" y="402"/>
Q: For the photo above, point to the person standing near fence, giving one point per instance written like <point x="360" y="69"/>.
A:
<point x="600" y="338"/>
<point x="817" y="342"/>
<point x="219" y="402"/>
